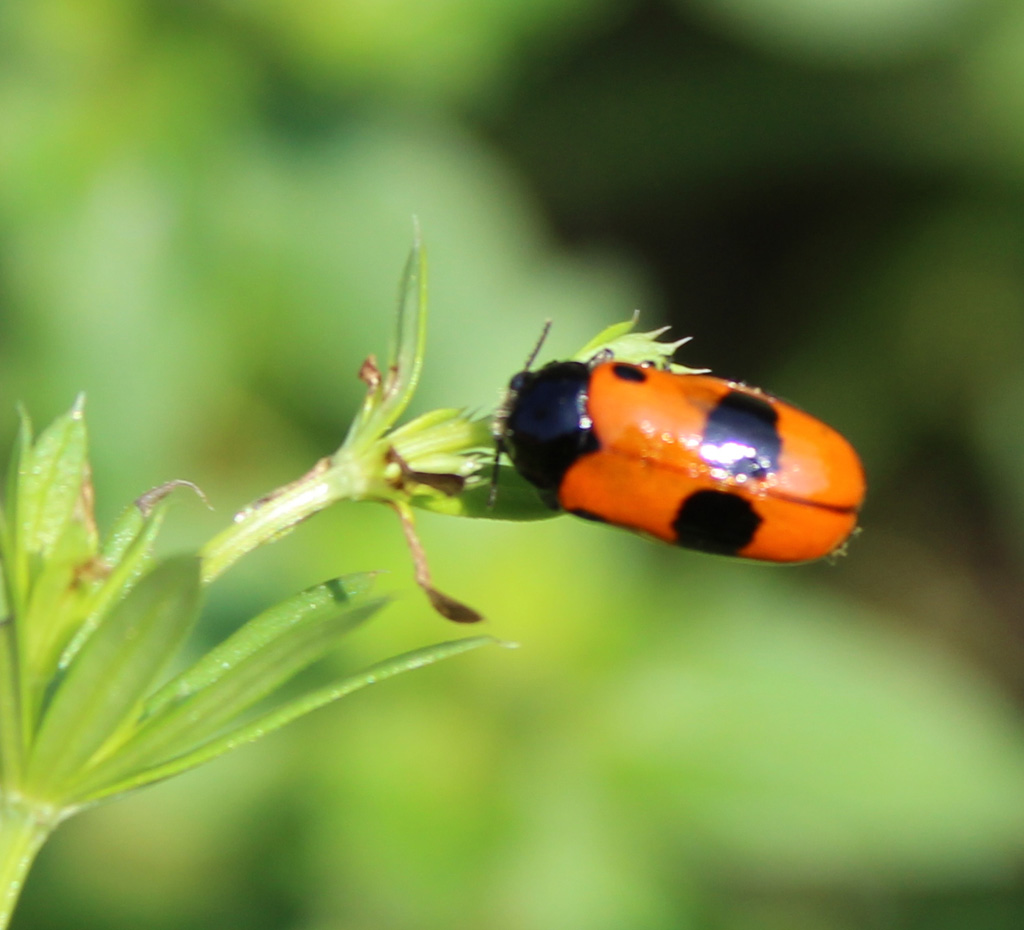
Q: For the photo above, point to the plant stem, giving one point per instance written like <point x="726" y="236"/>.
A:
<point x="24" y="827"/>
<point x="330" y="480"/>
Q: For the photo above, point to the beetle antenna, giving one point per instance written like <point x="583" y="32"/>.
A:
<point x="532" y="357"/>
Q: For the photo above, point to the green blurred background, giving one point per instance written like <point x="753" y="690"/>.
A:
<point x="204" y="211"/>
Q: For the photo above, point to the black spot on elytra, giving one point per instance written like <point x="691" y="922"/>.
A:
<point x="715" y="521"/>
<point x="629" y="373"/>
<point x="741" y="436"/>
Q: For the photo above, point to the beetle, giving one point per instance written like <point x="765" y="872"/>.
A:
<point x="689" y="459"/>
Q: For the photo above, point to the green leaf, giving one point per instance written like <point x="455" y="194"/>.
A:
<point x="50" y="481"/>
<point x="126" y="529"/>
<point x="19" y="454"/>
<point x="315" y="604"/>
<point x="384" y="405"/>
<point x="447" y="441"/>
<point x="13" y="575"/>
<point x="290" y="711"/>
<point x="607" y="335"/>
<point x="12" y="554"/>
<point x="103" y="689"/>
<point x="409" y="341"/>
<point x="130" y="549"/>
<point x="55" y="606"/>
<point x="627" y="346"/>
<point x="136" y="519"/>
<point x="210" y="699"/>
<point x="50" y="544"/>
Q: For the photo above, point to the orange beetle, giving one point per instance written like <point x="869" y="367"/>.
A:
<point x="689" y="459"/>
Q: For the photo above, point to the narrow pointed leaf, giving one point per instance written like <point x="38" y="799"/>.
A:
<point x="126" y="529"/>
<point x="50" y="481"/>
<point x="56" y="605"/>
<point x="12" y="552"/>
<point x="290" y="711"/>
<point x="608" y="334"/>
<point x="315" y="604"/>
<point x="406" y="356"/>
<point x="130" y="556"/>
<point x="434" y="418"/>
<point x="447" y="432"/>
<point x="379" y="671"/>
<point x="13" y="576"/>
<point x="19" y="455"/>
<point x="103" y="689"/>
<point x="402" y="372"/>
<point x="139" y="516"/>
<point x="193" y="721"/>
<point x="126" y="555"/>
